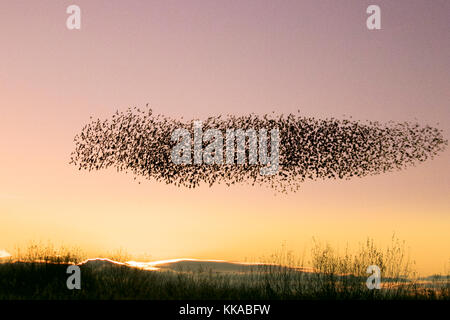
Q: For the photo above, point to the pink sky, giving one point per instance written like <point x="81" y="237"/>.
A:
<point x="198" y="58"/>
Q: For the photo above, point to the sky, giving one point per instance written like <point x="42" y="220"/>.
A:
<point x="199" y="58"/>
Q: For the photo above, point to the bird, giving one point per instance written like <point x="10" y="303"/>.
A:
<point x="138" y="141"/>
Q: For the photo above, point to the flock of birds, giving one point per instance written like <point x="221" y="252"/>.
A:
<point x="137" y="141"/>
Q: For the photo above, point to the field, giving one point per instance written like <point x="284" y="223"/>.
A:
<point x="39" y="272"/>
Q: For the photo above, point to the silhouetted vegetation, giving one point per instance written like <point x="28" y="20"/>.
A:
<point x="40" y="273"/>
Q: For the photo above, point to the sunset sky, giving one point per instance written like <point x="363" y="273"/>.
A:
<point x="200" y="58"/>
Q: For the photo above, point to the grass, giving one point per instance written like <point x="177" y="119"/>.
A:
<point x="39" y="272"/>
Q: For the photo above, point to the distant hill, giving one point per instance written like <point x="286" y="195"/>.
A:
<point x="190" y="265"/>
